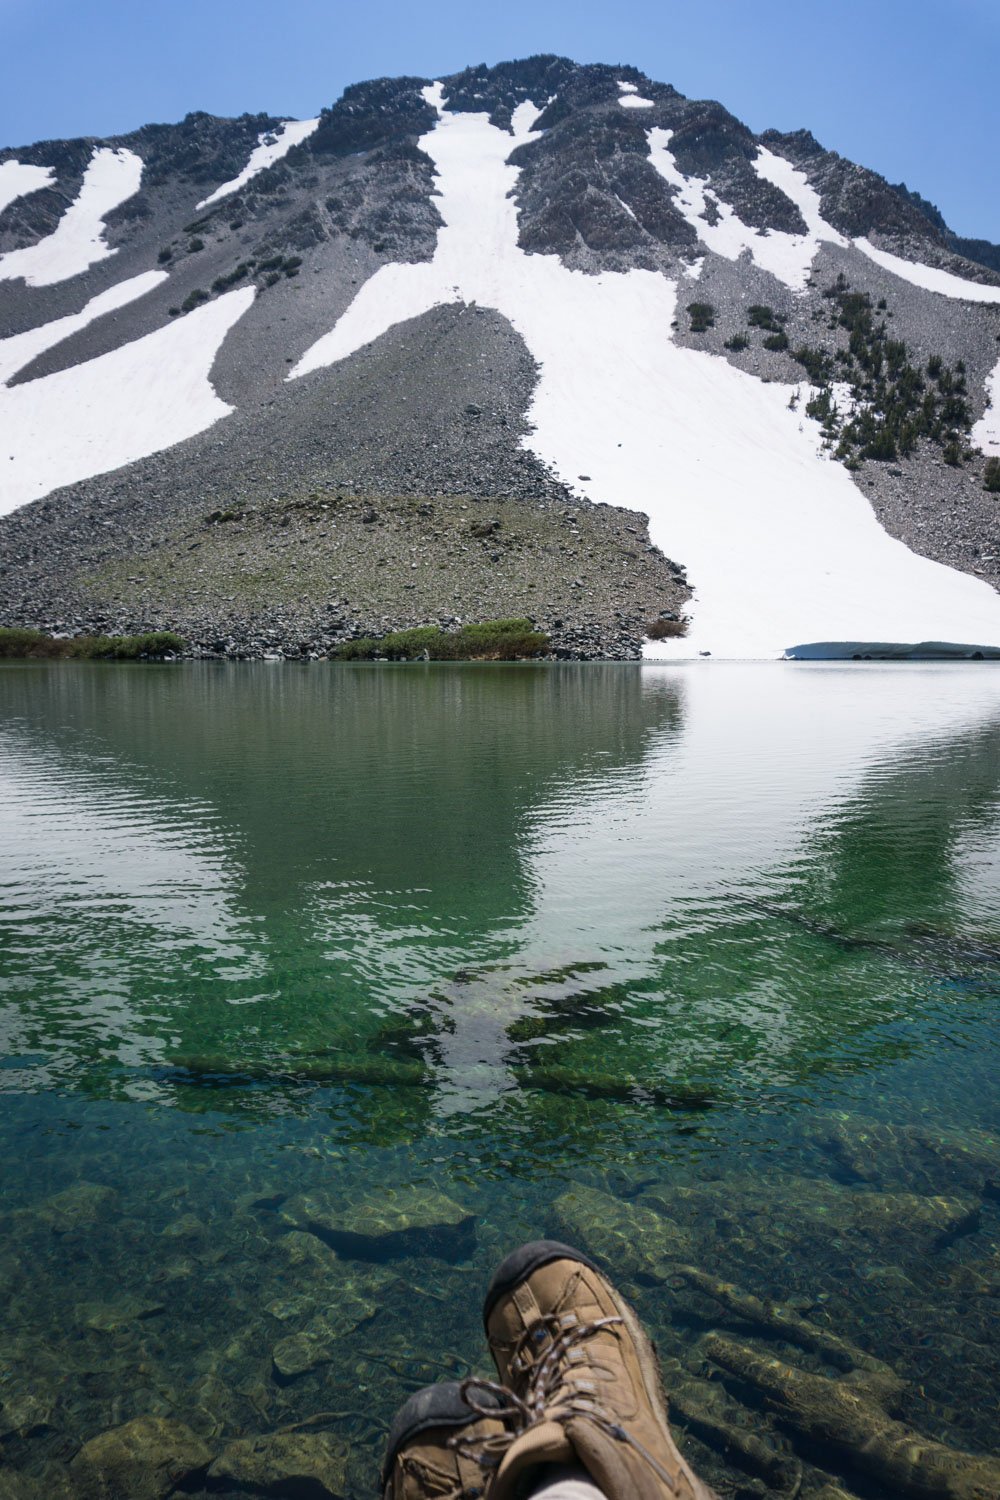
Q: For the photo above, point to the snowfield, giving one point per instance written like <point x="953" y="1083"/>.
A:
<point x="22" y="348"/>
<point x="782" y="547"/>
<point x="271" y="147"/>
<point x="986" y="433"/>
<point x="78" y="239"/>
<point x="124" y="405"/>
<point x="17" y="179"/>
<point x="929" y="277"/>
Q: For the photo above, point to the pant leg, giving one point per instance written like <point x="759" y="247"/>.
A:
<point x="565" y="1482"/>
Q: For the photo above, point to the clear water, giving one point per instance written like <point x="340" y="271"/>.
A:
<point x="717" y="948"/>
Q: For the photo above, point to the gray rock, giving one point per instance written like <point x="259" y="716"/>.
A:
<point x="396" y="1221"/>
<point x="146" y="1459"/>
<point x="310" y="1466"/>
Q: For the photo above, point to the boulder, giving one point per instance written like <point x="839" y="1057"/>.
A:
<point x="318" y="1342"/>
<point x="918" y="1159"/>
<point x="633" y="1239"/>
<point x="82" y="1204"/>
<point x="290" y="1465"/>
<point x="779" y="1212"/>
<point x="145" y="1459"/>
<point x="112" y="1317"/>
<point x="306" y="1255"/>
<point x="417" y="1220"/>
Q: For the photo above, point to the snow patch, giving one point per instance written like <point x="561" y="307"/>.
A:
<point x="787" y="256"/>
<point x="78" y="239"/>
<point x="22" y="348"/>
<point x="929" y="277"/>
<point x="635" y="101"/>
<point x="115" y="409"/>
<point x="796" y="186"/>
<point x="17" y="179"/>
<point x="986" y="433"/>
<point x="271" y="146"/>
<point x="783" y="548"/>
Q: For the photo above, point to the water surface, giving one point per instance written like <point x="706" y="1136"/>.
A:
<point x="704" y="957"/>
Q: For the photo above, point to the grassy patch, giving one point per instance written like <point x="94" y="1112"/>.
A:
<point x="489" y="640"/>
<point x="35" y="645"/>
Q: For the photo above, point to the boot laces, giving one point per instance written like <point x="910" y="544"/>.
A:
<point x="552" y="1393"/>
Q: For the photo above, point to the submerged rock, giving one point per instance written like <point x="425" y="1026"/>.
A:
<point x="399" y="1221"/>
<point x="26" y="1412"/>
<point x="922" y="1160"/>
<point x="318" y="1342"/>
<point x="305" y="1253"/>
<point x="145" y="1459"/>
<point x="81" y="1204"/>
<point x="307" y="1465"/>
<point x="635" y="1240"/>
<point x="112" y="1317"/>
<point x="844" y="1416"/>
<point x="779" y="1212"/>
<point x="17" y="1486"/>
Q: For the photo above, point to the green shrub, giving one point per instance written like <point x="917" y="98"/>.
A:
<point x="702" y="315"/>
<point x="892" y="404"/>
<point x="165" y="254"/>
<point x="991" y="475"/>
<point x="195" y="245"/>
<point x="759" y="315"/>
<point x="776" y="342"/>
<point x="16" y="644"/>
<point x="34" y="645"/>
<point x="504" y="640"/>
<point x="153" y="645"/>
<point x="406" y="645"/>
<point x="363" y="649"/>
<point x="737" y="343"/>
<point x="223" y="283"/>
<point x="194" y="299"/>
<point x="489" y="640"/>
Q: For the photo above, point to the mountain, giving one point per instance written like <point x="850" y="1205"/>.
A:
<point x="539" y="339"/>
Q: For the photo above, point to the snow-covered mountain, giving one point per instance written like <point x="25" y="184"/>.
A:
<point x="441" y="351"/>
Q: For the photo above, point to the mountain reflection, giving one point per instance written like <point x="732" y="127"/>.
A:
<point x="470" y="888"/>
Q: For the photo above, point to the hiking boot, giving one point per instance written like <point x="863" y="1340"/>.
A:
<point x="440" y="1447"/>
<point x="579" y="1381"/>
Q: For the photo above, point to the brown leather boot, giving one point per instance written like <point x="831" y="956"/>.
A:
<point x="582" y="1382"/>
<point x="440" y="1448"/>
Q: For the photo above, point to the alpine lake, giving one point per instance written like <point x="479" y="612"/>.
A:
<point x="322" y="988"/>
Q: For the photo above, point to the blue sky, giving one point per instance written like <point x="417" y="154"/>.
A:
<point x="909" y="87"/>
